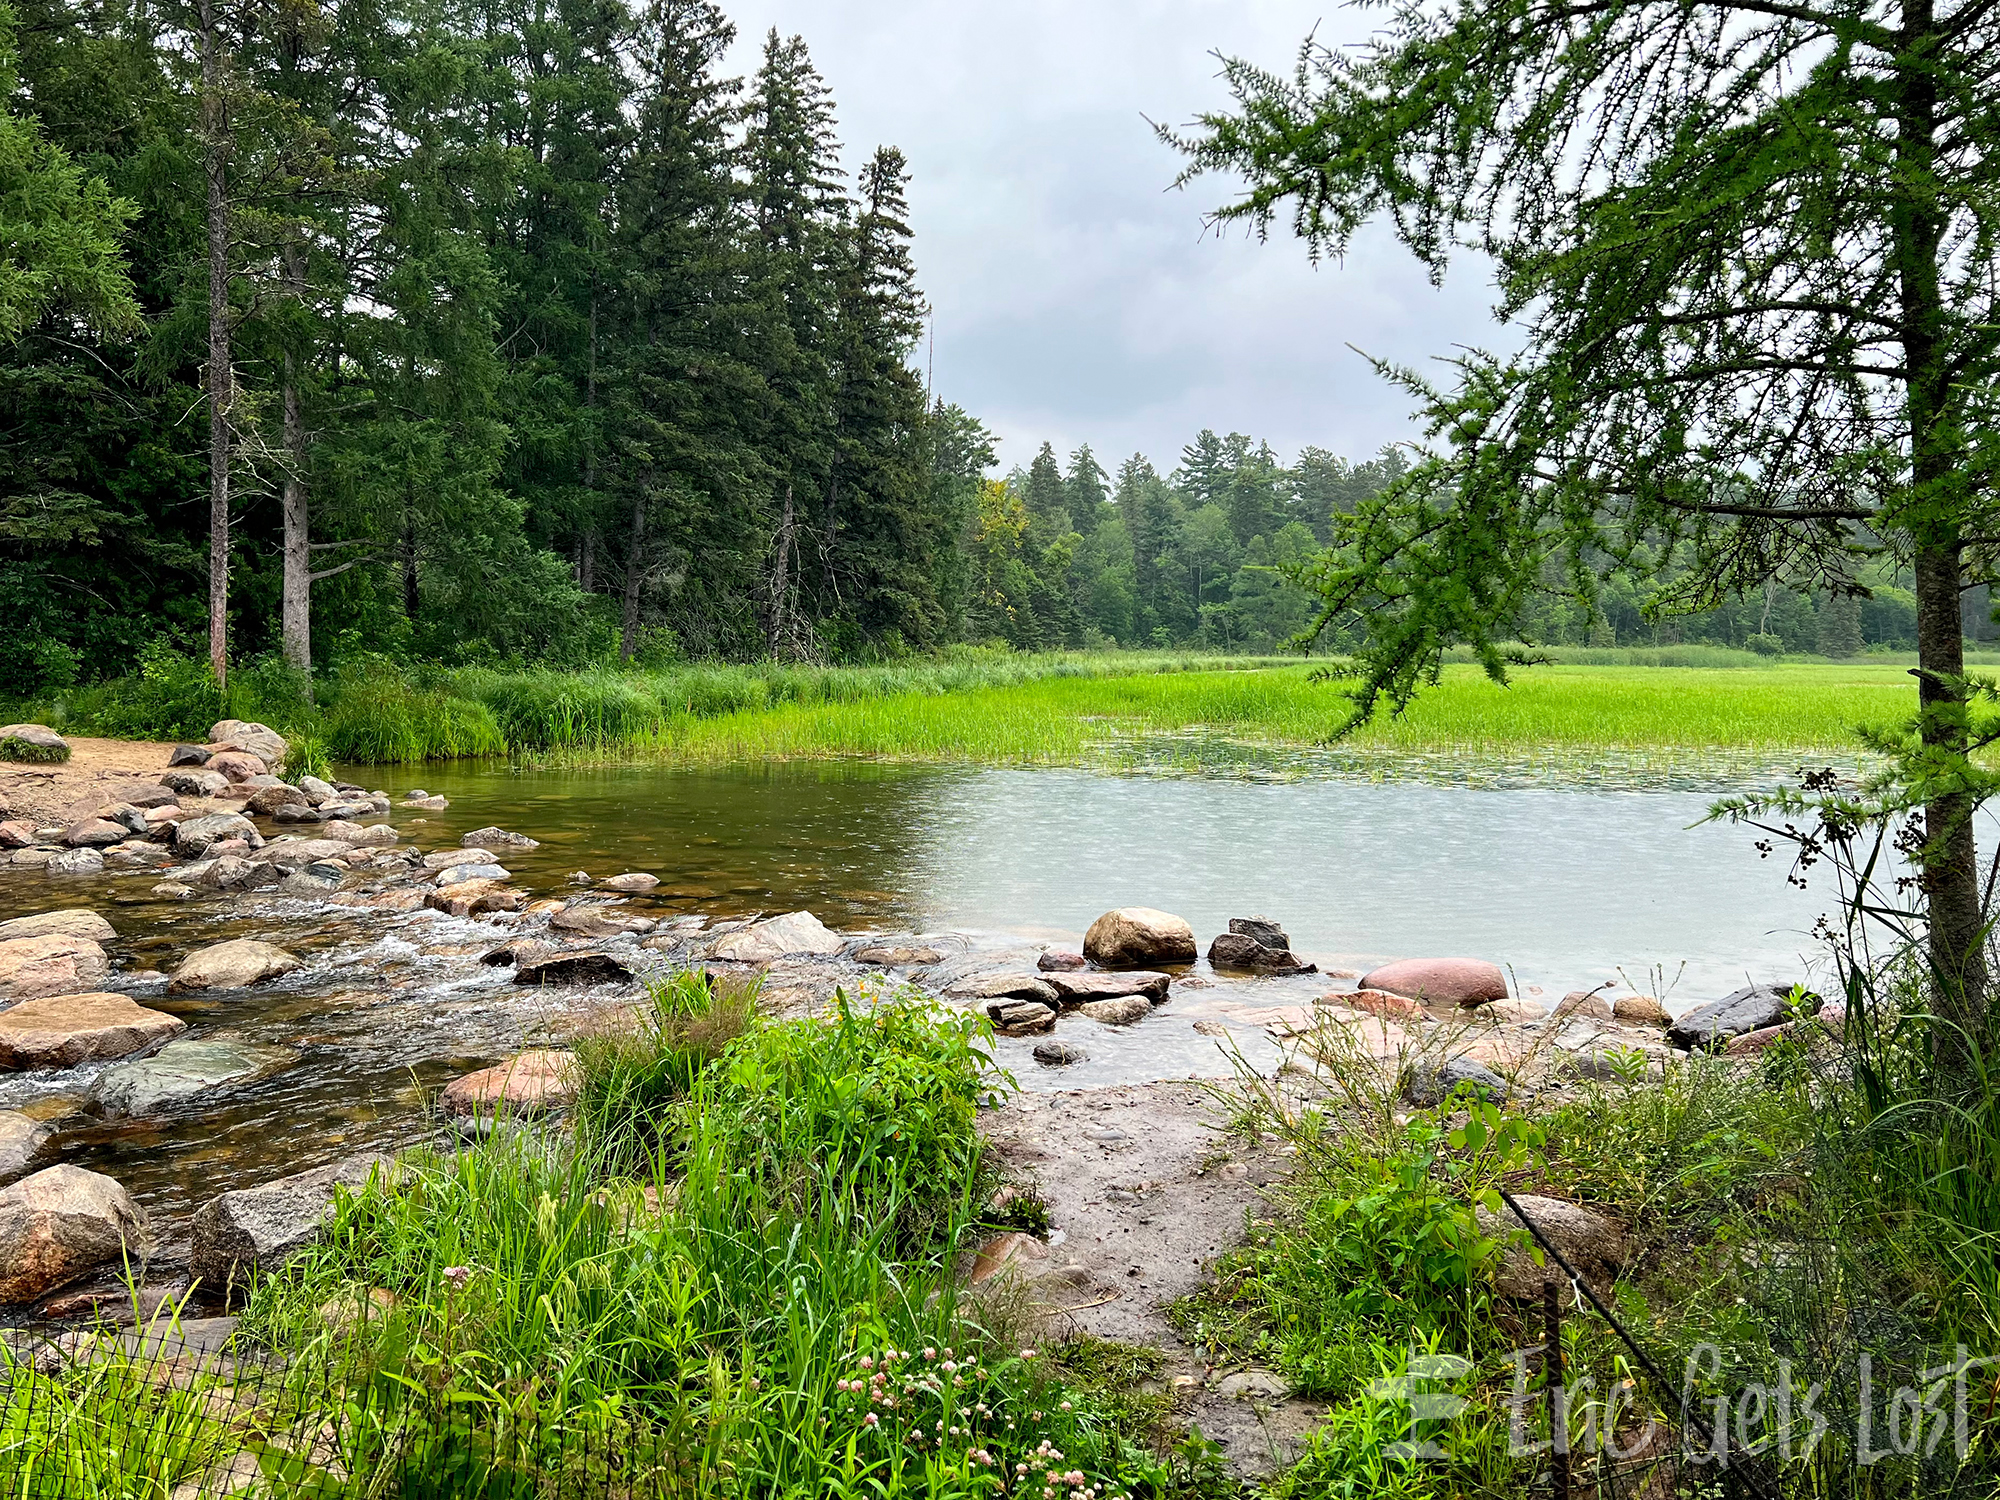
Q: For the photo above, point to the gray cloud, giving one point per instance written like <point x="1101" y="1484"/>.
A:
<point x="1078" y="300"/>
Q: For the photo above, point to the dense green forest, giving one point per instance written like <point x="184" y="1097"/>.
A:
<point x="481" y="331"/>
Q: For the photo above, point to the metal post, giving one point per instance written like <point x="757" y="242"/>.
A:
<point x="1552" y="1376"/>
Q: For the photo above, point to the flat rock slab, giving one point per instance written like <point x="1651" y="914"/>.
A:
<point x="181" y="1071"/>
<point x="250" y="1231"/>
<point x="633" y="882"/>
<point x="1712" y="1025"/>
<point x="62" y="1223"/>
<point x="62" y="1031"/>
<point x="31" y="967"/>
<point x="1004" y="985"/>
<point x="75" y="922"/>
<point x="1121" y="1010"/>
<point x="525" y="1084"/>
<point x="233" y="965"/>
<point x="1442" y="981"/>
<point x="775" y="937"/>
<point x="1075" y="988"/>
<point x="898" y="956"/>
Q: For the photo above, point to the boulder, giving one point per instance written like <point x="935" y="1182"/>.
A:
<point x="232" y="966"/>
<point x="527" y="1083"/>
<point x="469" y="898"/>
<point x="1261" y="930"/>
<point x="1056" y="961"/>
<point x="1059" y="1054"/>
<point x="74" y="862"/>
<point x="457" y="874"/>
<point x="1640" y="1010"/>
<point x="1236" y="950"/>
<point x="1136" y="937"/>
<point x="259" y="739"/>
<point x="587" y="921"/>
<point x="267" y="800"/>
<point x="1511" y="1012"/>
<point x="519" y="951"/>
<point x="94" y="833"/>
<point x="188" y="755"/>
<point x="1078" y="989"/>
<point x="193" y="837"/>
<point x="233" y="872"/>
<point x="61" y="1031"/>
<point x="16" y="833"/>
<point x="1004" y="984"/>
<point x="182" y="1070"/>
<point x="317" y="791"/>
<point x="237" y="765"/>
<point x="1442" y="981"/>
<point x="62" y="1223"/>
<point x="498" y="838"/>
<point x="1588" y="1240"/>
<point x="1431" y="1084"/>
<point x="444" y="859"/>
<point x="32" y="742"/>
<point x="34" y="966"/>
<point x="73" y="922"/>
<point x="1588" y="1004"/>
<point x="1712" y="1025"/>
<point x="1020" y="1017"/>
<point x="573" y="968"/>
<point x="21" y="1140"/>
<point x="253" y="1231"/>
<point x="775" y="937"/>
<point x="898" y="956"/>
<point x="194" y="783"/>
<point x="633" y="881"/>
<point x="295" y="853"/>
<point x="1119" y="1012"/>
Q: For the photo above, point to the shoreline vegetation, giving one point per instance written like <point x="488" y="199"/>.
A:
<point x="1076" y="709"/>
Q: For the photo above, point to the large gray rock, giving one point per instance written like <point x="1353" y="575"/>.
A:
<point x="255" y="1230"/>
<point x="75" y="862"/>
<point x="775" y="937"/>
<point x="259" y="739"/>
<point x="1592" y="1242"/>
<point x="193" y="836"/>
<point x="296" y="854"/>
<point x="1263" y="931"/>
<point x="1135" y="937"/>
<point x="34" y="966"/>
<point x="194" y="781"/>
<point x="1237" y="950"/>
<point x="233" y="965"/>
<point x="444" y="859"/>
<point x="32" y="742"/>
<point x="21" y="1140"/>
<point x="62" y="1223"/>
<point x="1442" y="981"/>
<point x="63" y="1031"/>
<point x="181" y="1071"/>
<point x="1712" y="1025"/>
<point x="95" y="833"/>
<point x="1004" y="985"/>
<point x="1430" y="1085"/>
<point x="73" y="922"/>
<point x="267" y="800"/>
<point x="188" y="755"/>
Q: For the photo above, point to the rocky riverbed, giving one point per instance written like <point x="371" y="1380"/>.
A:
<point x="213" y="977"/>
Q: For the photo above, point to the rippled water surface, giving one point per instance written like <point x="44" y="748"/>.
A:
<point x="1604" y="873"/>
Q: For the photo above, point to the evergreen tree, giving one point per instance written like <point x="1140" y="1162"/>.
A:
<point x="1087" y="488"/>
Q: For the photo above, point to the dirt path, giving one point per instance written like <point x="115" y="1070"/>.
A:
<point x="42" y="794"/>
<point x="1145" y="1188"/>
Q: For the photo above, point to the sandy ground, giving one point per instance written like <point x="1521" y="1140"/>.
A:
<point x="1145" y="1188"/>
<point x="42" y="794"/>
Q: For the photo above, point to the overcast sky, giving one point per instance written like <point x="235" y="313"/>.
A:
<point x="1076" y="298"/>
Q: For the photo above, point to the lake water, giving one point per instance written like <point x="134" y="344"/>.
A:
<point x="1609" y="875"/>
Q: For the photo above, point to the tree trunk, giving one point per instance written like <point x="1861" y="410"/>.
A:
<point x="297" y="605"/>
<point x="1950" y="857"/>
<point x="635" y="561"/>
<point x="781" y="580"/>
<point x="220" y="377"/>
<point x="411" y="597"/>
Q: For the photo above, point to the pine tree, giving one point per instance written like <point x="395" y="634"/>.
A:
<point x="1088" y="490"/>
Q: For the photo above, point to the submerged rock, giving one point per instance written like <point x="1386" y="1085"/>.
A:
<point x="444" y="859"/>
<point x="73" y="922"/>
<point x="632" y="882"/>
<point x="184" y="1070"/>
<point x="1133" y="937"/>
<point x="527" y="1083"/>
<point x="1379" y="1003"/>
<point x="62" y="1223"/>
<point x="498" y="838"/>
<point x="253" y="1231"/>
<point x="61" y="1031"/>
<point x="775" y="937"/>
<point x="75" y="862"/>
<point x="34" y="966"/>
<point x="1122" y="1011"/>
<point x="233" y="965"/>
<point x="1442" y="981"/>
<point x="1752" y="1009"/>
